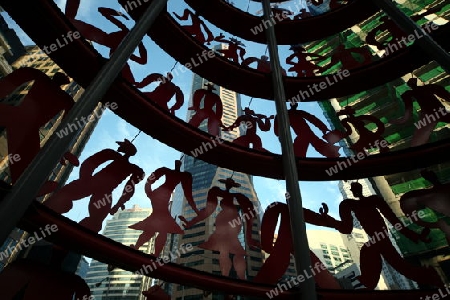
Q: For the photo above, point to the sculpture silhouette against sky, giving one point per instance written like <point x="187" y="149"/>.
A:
<point x="303" y="67"/>
<point x="225" y="239"/>
<point x="212" y="109"/>
<point x="41" y="104"/>
<point x="198" y="28"/>
<point x="251" y="121"/>
<point x="160" y="220"/>
<point x="100" y="185"/>
<point x="111" y="40"/>
<point x="370" y="211"/>
<point x="164" y="92"/>
<point x="235" y="48"/>
<point x="305" y="136"/>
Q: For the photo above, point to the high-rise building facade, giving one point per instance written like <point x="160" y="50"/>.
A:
<point x="205" y="176"/>
<point x="119" y="284"/>
<point x="384" y="103"/>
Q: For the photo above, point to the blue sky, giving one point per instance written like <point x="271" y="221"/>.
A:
<point x="151" y="153"/>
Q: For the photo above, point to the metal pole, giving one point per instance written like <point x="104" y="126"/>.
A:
<point x="423" y="39"/>
<point x="14" y="205"/>
<point x="298" y="228"/>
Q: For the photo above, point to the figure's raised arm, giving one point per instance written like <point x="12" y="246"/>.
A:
<point x="315" y="121"/>
<point x="179" y="100"/>
<point x="88" y="166"/>
<point x="185" y="16"/>
<point x="111" y="14"/>
<point x="186" y="184"/>
<point x="158" y="173"/>
<point x="345" y="212"/>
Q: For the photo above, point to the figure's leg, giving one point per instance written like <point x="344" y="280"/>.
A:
<point x="324" y="148"/>
<point x="143" y="238"/>
<point x="225" y="263"/>
<point x="71" y="9"/>
<point x="160" y="241"/>
<point x="99" y="208"/>
<point x="422" y="134"/>
<point x="417" y="273"/>
<point x="197" y="118"/>
<point x="301" y="146"/>
<point x="239" y="265"/>
<point x="371" y="264"/>
<point x="213" y="126"/>
<point x="61" y="201"/>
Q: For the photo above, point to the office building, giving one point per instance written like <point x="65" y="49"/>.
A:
<point x="120" y="284"/>
<point x="206" y="176"/>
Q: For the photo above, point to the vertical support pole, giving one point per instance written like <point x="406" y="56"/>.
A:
<point x="298" y="228"/>
<point x="14" y="205"/>
<point x="423" y="39"/>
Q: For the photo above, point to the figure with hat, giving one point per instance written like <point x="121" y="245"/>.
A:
<point x="305" y="136"/>
<point x="160" y="220"/>
<point x="195" y="29"/>
<point x="303" y="67"/>
<point x="367" y="138"/>
<point x="251" y="120"/>
<point x="225" y="239"/>
<point x="432" y="110"/>
<point x="111" y="40"/>
<point x="262" y="64"/>
<point x="346" y="57"/>
<point x="234" y="46"/>
<point x="164" y="92"/>
<point x="212" y="109"/>
<point x="370" y="212"/>
<point x="100" y="185"/>
<point x="44" y="101"/>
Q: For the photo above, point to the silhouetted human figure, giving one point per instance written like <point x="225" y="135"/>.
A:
<point x="100" y="185"/>
<point x="195" y="29"/>
<point x="212" y="109"/>
<point x="160" y="221"/>
<point x="303" y="14"/>
<point x="432" y="111"/>
<point x="305" y="136"/>
<point x="111" y="40"/>
<point x="347" y="59"/>
<point x="303" y="67"/>
<point x="22" y="123"/>
<point x="225" y="236"/>
<point x="251" y="121"/>
<point x="263" y="64"/>
<point x="234" y="51"/>
<point x="369" y="211"/>
<point x="367" y="138"/>
<point x="395" y="31"/>
<point x="280" y="251"/>
<point x="280" y="10"/>
<point x="436" y="198"/>
<point x="164" y="92"/>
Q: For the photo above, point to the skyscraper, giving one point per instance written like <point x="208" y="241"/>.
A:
<point x="384" y="102"/>
<point x="206" y="176"/>
<point x="120" y="284"/>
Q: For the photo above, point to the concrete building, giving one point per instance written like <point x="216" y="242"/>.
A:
<point x="120" y="284"/>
